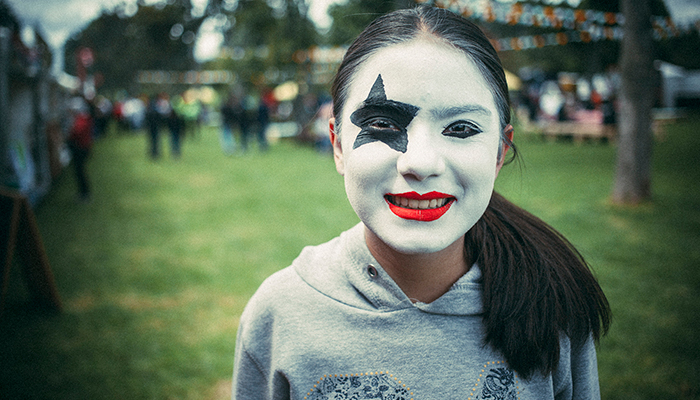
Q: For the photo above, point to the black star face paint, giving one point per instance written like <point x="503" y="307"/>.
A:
<point x="383" y="120"/>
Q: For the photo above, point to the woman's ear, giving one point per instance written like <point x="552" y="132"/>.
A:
<point x="337" y="148"/>
<point x="507" y="133"/>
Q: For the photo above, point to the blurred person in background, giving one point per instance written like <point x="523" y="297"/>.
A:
<point x="267" y="103"/>
<point x="231" y="114"/>
<point x="189" y="108"/>
<point x="176" y="126"/>
<point x="153" y="122"/>
<point x="103" y="114"/>
<point x="79" y="141"/>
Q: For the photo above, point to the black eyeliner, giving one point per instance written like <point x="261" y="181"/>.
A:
<point x="473" y="129"/>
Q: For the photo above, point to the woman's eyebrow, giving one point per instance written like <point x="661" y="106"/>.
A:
<point x="449" y="112"/>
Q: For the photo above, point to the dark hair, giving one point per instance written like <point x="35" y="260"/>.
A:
<point x="405" y="25"/>
<point x="536" y="285"/>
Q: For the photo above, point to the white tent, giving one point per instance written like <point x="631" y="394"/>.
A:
<point x="677" y="82"/>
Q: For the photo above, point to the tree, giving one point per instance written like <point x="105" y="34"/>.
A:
<point x="263" y="36"/>
<point x="158" y="37"/>
<point x="351" y="17"/>
<point x="638" y="88"/>
<point x="8" y="18"/>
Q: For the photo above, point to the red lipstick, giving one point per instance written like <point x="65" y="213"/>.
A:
<point x="419" y="214"/>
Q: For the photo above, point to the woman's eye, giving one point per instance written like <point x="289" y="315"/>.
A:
<point x="461" y="129"/>
<point x="382" y="124"/>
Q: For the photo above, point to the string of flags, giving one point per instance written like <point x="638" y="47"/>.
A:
<point x="571" y="3"/>
<point x="575" y="25"/>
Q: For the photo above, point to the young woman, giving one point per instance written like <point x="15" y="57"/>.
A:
<point x="445" y="290"/>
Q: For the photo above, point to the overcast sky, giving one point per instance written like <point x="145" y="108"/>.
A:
<point x="60" y="18"/>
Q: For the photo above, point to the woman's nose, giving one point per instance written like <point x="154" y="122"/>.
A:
<point x="422" y="159"/>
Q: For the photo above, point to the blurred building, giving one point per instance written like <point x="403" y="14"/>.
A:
<point x="679" y="87"/>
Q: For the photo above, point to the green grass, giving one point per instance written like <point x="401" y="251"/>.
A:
<point x="646" y="257"/>
<point x="155" y="270"/>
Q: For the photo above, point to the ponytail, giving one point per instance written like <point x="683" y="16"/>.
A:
<point x="535" y="286"/>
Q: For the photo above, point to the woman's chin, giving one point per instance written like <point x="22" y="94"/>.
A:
<point x="413" y="245"/>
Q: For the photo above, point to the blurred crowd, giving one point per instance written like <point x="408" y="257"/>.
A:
<point x="567" y="97"/>
<point x="242" y="118"/>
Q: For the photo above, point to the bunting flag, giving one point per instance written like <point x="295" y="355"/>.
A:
<point x="577" y="25"/>
<point x="555" y="39"/>
<point x="571" y="3"/>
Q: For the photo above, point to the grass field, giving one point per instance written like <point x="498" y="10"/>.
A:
<point x="155" y="270"/>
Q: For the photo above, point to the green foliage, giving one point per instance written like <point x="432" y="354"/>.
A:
<point x="123" y="45"/>
<point x="161" y="36"/>
<point x="263" y="40"/>
<point x="351" y="17"/>
<point x="645" y="257"/>
<point x="682" y="50"/>
<point x="7" y="16"/>
<point x="154" y="272"/>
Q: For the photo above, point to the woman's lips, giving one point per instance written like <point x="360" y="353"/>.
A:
<point x="426" y="207"/>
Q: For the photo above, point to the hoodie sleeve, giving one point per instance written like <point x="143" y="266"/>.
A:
<point x="255" y="375"/>
<point x="584" y="371"/>
<point x="252" y="382"/>
<point x="249" y="381"/>
<point x="577" y="375"/>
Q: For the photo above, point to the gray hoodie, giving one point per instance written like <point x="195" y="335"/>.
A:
<point x="334" y="325"/>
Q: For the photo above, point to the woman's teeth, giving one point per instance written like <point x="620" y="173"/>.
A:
<point x="418" y="204"/>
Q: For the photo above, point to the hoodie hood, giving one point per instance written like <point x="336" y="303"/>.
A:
<point x="345" y="270"/>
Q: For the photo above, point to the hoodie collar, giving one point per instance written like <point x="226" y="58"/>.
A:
<point x="353" y="276"/>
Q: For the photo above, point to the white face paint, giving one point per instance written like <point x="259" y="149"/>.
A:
<point x="419" y="157"/>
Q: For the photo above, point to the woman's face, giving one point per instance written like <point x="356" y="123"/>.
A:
<point x="418" y="145"/>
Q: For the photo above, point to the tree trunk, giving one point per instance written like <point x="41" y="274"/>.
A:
<point x="638" y="88"/>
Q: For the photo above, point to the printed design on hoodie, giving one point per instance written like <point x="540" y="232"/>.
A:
<point x="495" y="382"/>
<point x="373" y="385"/>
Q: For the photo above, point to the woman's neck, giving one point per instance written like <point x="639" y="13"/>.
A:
<point x="423" y="277"/>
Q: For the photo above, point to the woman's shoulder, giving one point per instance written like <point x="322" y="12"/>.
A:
<point x="319" y="270"/>
<point x="275" y="288"/>
<point x="287" y="283"/>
